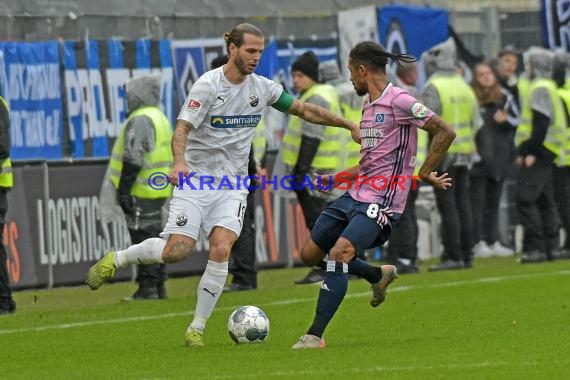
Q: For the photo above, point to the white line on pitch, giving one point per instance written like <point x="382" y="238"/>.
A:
<point x="375" y="369"/>
<point x="284" y="302"/>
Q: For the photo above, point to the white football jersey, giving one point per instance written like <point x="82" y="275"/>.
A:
<point x="224" y="117"/>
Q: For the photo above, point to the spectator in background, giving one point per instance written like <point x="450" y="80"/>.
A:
<point x="406" y="77"/>
<point x="507" y="66"/>
<point x="143" y="148"/>
<point x="7" y="304"/>
<point x="446" y="93"/>
<point x="307" y="147"/>
<point x="403" y="244"/>
<point x="496" y="150"/>
<point x="350" y="106"/>
<point x="536" y="157"/>
<point x="562" y="170"/>
<point x="242" y="257"/>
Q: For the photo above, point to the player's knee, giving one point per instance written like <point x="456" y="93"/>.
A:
<point x="220" y="251"/>
<point x="343" y="251"/>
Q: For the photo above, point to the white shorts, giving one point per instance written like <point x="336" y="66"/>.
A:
<point x="191" y="211"/>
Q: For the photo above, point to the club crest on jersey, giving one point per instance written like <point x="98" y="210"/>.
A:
<point x="379" y="117"/>
<point x="181" y="219"/>
<point x="253" y="100"/>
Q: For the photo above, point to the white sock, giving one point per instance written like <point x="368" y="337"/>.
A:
<point x="209" y="290"/>
<point x="405" y="261"/>
<point x="148" y="251"/>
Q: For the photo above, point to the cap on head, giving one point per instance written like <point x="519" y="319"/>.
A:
<point x="308" y="64"/>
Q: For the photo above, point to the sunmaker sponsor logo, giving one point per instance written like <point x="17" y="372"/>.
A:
<point x="235" y="121"/>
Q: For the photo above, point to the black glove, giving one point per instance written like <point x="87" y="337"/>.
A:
<point x="307" y="152"/>
<point x="126" y="182"/>
<point x="126" y="202"/>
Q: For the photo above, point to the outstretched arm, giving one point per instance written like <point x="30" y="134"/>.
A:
<point x="443" y="136"/>
<point x="319" y="115"/>
<point x="179" y="139"/>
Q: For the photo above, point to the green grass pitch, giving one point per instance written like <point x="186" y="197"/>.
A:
<point x="500" y="320"/>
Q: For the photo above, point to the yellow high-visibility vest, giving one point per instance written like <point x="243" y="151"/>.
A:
<point x="351" y="155"/>
<point x="329" y="154"/>
<point x="421" y="154"/>
<point x="159" y="160"/>
<point x="564" y="160"/>
<point x="457" y="103"/>
<point x="525" y="125"/>
<point x="6" y="175"/>
<point x="259" y="141"/>
<point x="556" y="134"/>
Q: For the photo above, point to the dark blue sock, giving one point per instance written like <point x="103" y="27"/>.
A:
<point x="331" y="295"/>
<point x="361" y="268"/>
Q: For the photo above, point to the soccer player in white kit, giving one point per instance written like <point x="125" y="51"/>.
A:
<point x="210" y="148"/>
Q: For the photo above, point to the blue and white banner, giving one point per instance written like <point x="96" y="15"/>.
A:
<point x="32" y="87"/>
<point x="556" y="20"/>
<point x="288" y="51"/>
<point x="95" y="75"/>
<point x="269" y="63"/>
<point x="411" y="29"/>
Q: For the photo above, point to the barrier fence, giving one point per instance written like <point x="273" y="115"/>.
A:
<point x="54" y="233"/>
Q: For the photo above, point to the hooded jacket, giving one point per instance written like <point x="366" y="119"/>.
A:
<point x="139" y="138"/>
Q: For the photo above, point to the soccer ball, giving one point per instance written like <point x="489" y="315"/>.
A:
<point x="248" y="324"/>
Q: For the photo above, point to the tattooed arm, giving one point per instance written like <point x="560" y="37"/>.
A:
<point x="318" y="115"/>
<point x="443" y="136"/>
<point x="179" y="139"/>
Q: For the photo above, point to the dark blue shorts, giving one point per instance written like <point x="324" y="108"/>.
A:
<point x="349" y="218"/>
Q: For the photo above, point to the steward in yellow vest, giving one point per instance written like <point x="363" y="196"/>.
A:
<point x="7" y="304"/>
<point x="458" y="103"/>
<point x="539" y="154"/>
<point x="307" y="147"/>
<point x="447" y="94"/>
<point x="327" y="155"/>
<point x="140" y="163"/>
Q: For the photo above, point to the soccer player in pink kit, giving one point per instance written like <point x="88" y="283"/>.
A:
<point x="363" y="217"/>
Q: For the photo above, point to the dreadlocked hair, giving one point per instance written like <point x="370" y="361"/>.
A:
<point x="235" y="36"/>
<point x="375" y="57"/>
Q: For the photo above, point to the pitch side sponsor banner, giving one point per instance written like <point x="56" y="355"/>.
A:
<point x="68" y="230"/>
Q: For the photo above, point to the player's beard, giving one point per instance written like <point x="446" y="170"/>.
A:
<point x="242" y="66"/>
<point x="361" y="91"/>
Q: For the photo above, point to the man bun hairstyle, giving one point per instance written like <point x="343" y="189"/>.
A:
<point x="235" y="36"/>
